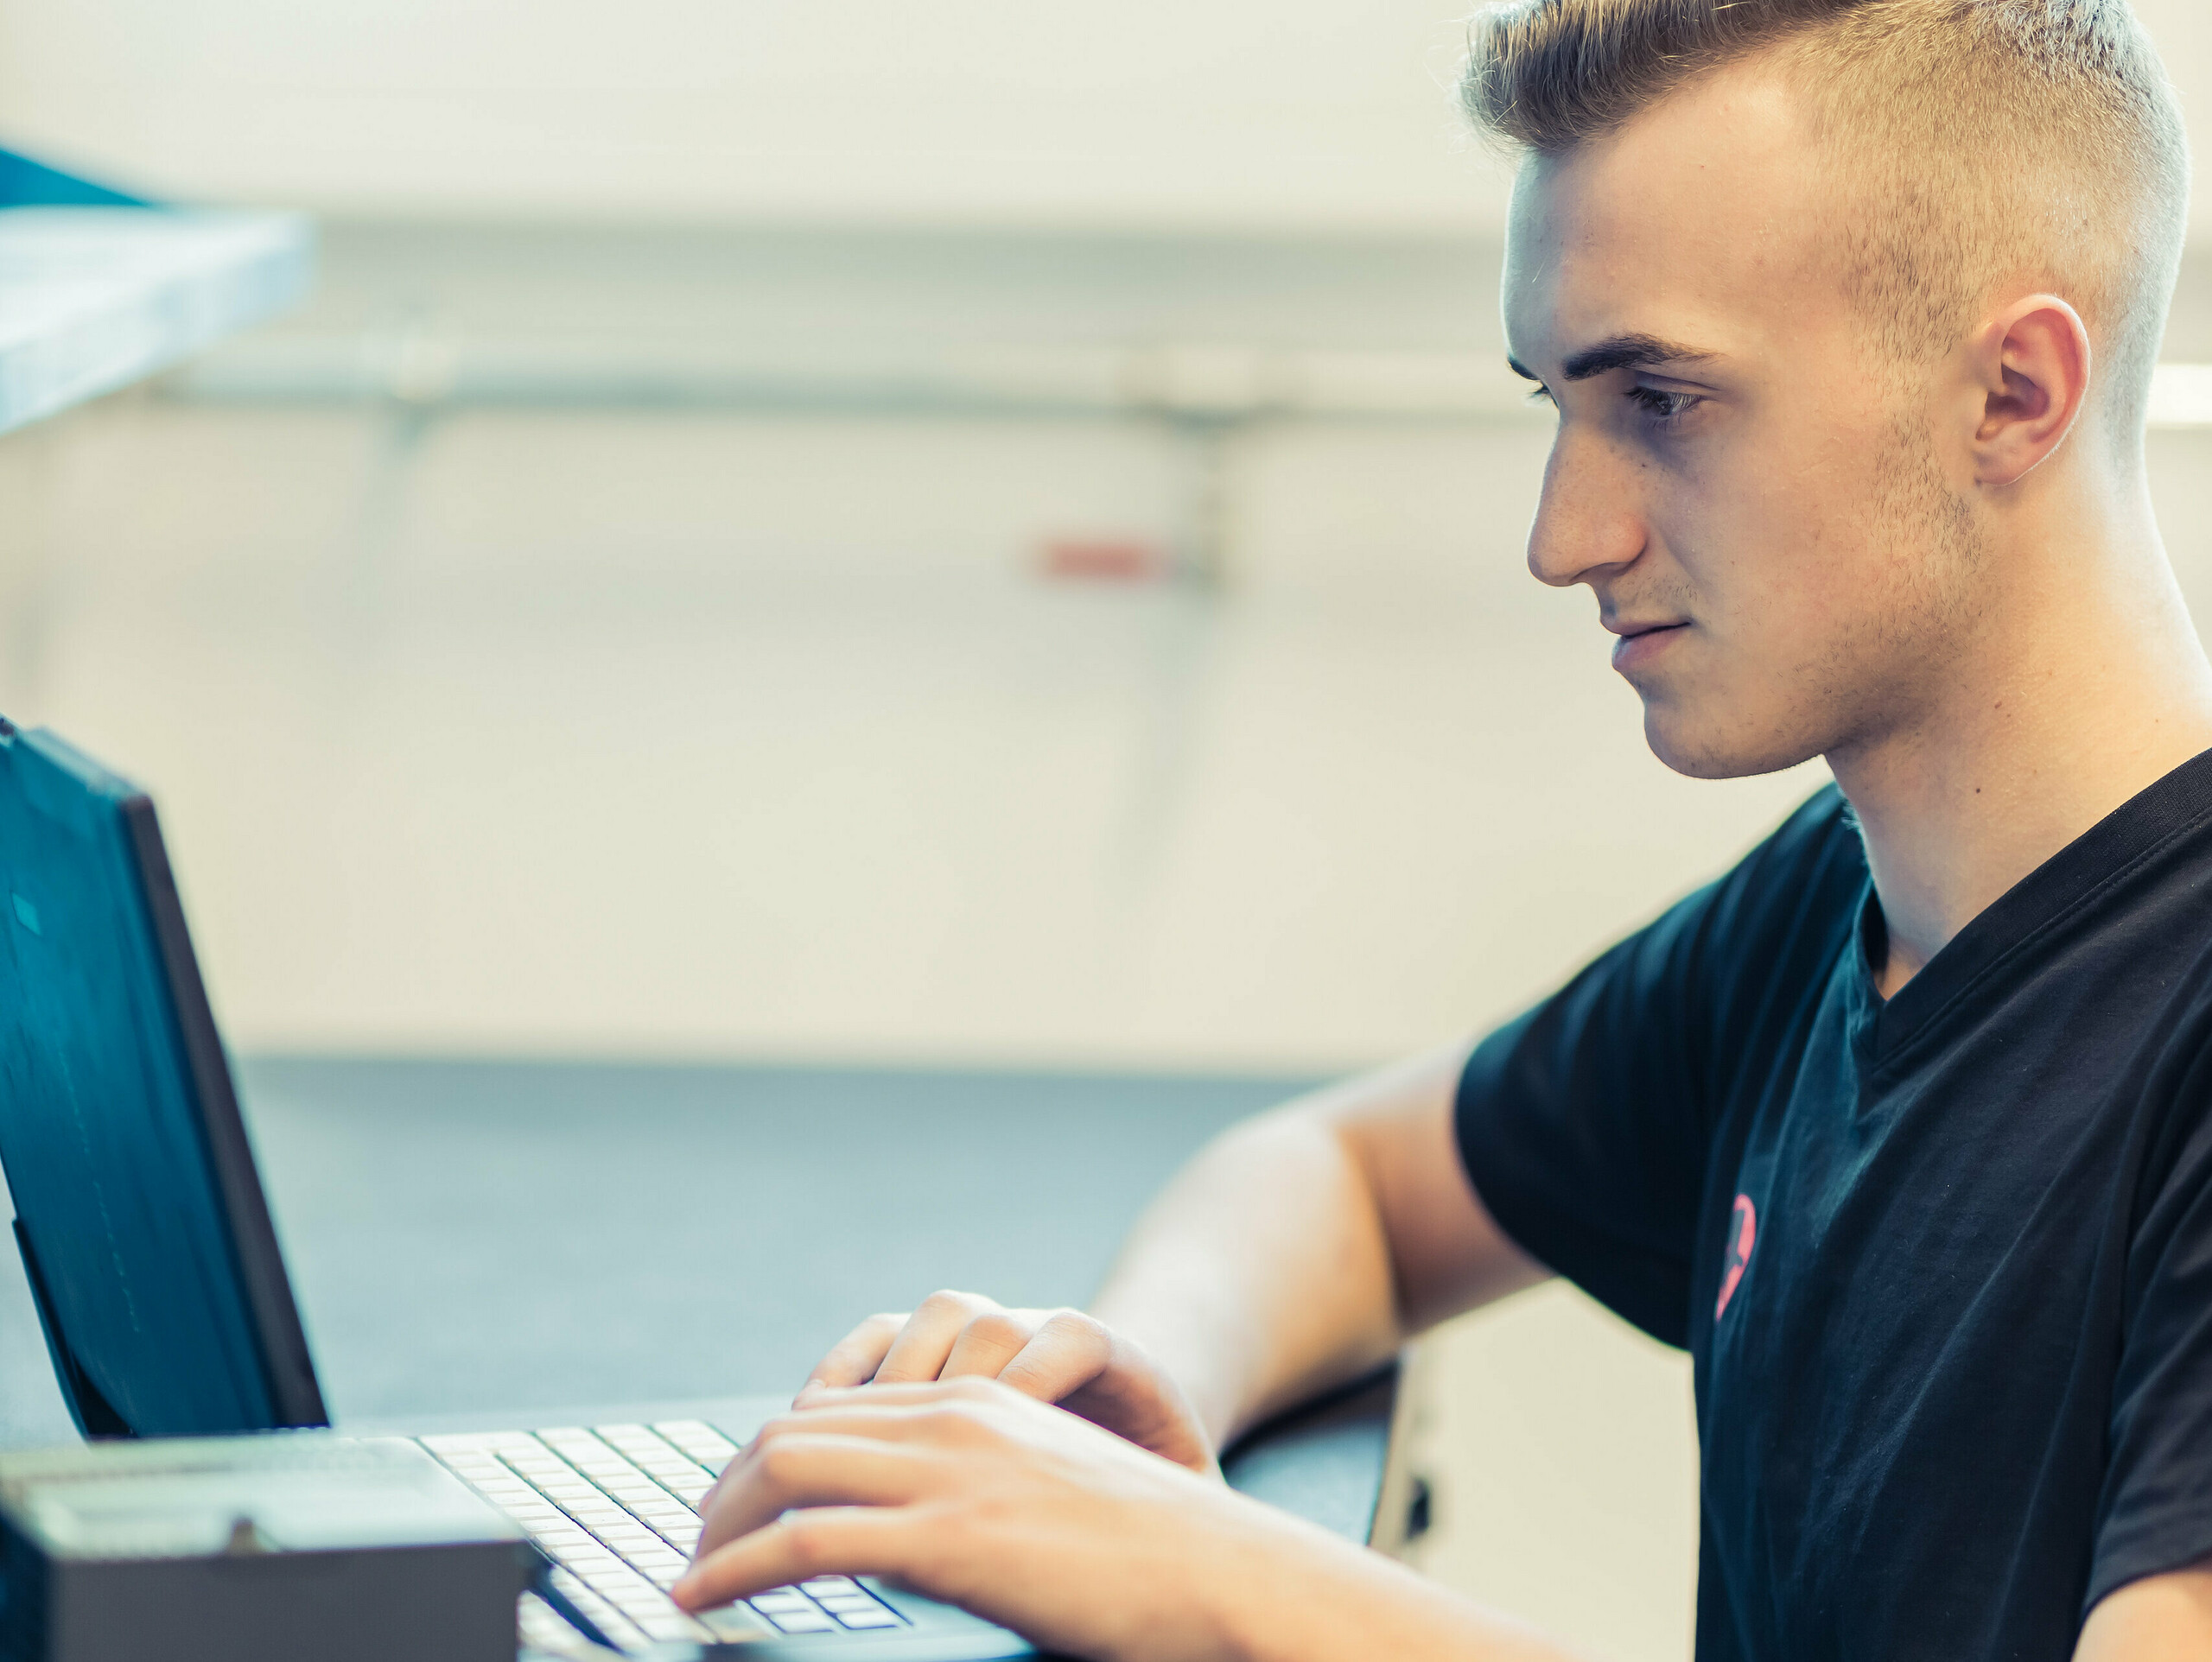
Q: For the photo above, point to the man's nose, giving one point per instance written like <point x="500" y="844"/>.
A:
<point x="1588" y="522"/>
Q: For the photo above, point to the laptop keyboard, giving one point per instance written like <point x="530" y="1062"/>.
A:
<point x="616" y="1509"/>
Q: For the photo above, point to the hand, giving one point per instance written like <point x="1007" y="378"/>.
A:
<point x="974" y="1494"/>
<point x="1059" y="1356"/>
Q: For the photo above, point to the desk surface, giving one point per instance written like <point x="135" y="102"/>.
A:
<point x="471" y="1239"/>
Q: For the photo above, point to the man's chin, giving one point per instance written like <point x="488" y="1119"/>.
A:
<point x="1718" y="750"/>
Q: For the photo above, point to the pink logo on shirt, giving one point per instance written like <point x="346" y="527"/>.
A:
<point x="1743" y="1230"/>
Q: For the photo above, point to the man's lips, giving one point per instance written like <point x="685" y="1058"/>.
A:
<point x="1640" y="643"/>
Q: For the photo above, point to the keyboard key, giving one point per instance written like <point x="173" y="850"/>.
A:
<point x="619" y="1583"/>
<point x="648" y="1447"/>
<point x="612" y="1511"/>
<point x="590" y="1565"/>
<point x="466" y="1441"/>
<point x="542" y="1629"/>
<point x="653" y="1450"/>
<point x="676" y="1625"/>
<point x="875" y="1616"/>
<point x="809" y="1620"/>
<point x="593" y="1608"/>
<point x="701" y="1441"/>
<point x="734" y="1623"/>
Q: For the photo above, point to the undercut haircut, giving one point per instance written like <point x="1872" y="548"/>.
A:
<point x="1972" y="144"/>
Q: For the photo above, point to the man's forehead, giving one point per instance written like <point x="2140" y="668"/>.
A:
<point x="1695" y="222"/>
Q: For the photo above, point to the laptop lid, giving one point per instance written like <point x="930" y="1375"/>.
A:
<point x="144" y="1232"/>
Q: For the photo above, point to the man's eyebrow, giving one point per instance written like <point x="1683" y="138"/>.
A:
<point x="1627" y="352"/>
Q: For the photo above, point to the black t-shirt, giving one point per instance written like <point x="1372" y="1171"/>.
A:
<point x="1943" y="1265"/>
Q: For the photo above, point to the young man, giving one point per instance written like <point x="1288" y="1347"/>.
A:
<point x="1904" y="1126"/>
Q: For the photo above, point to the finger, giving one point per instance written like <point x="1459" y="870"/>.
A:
<point x="820" y="1541"/>
<point x="820" y="1411"/>
<point x="950" y="1414"/>
<point x="1149" y="1411"/>
<point x="1067" y="1352"/>
<point x="855" y="1358"/>
<point x="896" y="1401"/>
<point x="810" y="1469"/>
<point x="987" y="1344"/>
<point x="919" y="1351"/>
<point x="916" y="1411"/>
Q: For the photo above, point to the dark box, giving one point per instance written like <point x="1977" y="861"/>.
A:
<point x="286" y="1547"/>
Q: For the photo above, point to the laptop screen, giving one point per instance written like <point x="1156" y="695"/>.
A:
<point x="144" y="1232"/>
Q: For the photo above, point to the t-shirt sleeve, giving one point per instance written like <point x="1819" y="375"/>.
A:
<point x="2155" y="1514"/>
<point x="1581" y="1127"/>
<point x="1584" y="1125"/>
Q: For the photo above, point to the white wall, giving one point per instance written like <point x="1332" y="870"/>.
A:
<point x="899" y="798"/>
<point x="1287" y="114"/>
<point x="704" y="734"/>
<point x="1154" y="112"/>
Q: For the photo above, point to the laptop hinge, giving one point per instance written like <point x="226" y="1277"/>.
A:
<point x="94" y="1414"/>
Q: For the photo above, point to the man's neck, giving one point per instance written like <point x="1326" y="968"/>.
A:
<point x="2081" y="700"/>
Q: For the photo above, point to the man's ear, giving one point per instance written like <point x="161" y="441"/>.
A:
<point x="2032" y="366"/>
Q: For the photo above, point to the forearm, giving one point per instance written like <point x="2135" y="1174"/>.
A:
<point x="1261" y="1274"/>
<point x="1319" y="1599"/>
<point x="1302" y="1247"/>
<point x="970" y="1491"/>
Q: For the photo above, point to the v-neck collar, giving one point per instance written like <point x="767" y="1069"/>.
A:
<point x="1883" y="1032"/>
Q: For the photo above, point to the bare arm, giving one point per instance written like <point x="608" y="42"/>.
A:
<point x="1294" y="1252"/>
<point x="2159" y="1619"/>
<point x="1304" y="1247"/>
<point x="969" y="1491"/>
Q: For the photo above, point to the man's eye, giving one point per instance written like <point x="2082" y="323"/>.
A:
<point x="1541" y="394"/>
<point x="1662" y="406"/>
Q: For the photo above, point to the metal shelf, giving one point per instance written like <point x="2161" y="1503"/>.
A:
<point x="100" y="289"/>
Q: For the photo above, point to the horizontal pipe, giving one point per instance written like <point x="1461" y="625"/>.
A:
<point x="1196" y="384"/>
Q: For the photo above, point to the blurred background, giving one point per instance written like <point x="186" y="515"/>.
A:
<point x="978" y="535"/>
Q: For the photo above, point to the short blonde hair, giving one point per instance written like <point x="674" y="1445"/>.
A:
<point x="1977" y="142"/>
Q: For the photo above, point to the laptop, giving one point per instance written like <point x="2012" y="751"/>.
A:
<point x="147" y="1241"/>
